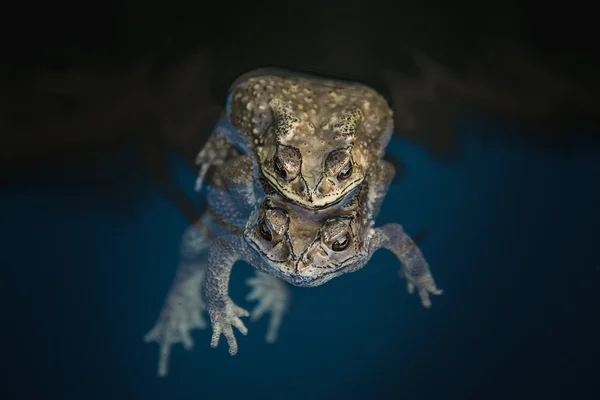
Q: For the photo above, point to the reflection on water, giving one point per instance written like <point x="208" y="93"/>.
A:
<point x="510" y="239"/>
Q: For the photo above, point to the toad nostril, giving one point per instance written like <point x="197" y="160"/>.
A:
<point x="310" y="197"/>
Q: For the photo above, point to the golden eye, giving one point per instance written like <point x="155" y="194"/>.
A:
<point x="342" y="243"/>
<point x="265" y="232"/>
<point x="279" y="167"/>
<point x="345" y="173"/>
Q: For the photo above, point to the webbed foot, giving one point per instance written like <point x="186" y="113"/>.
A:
<point x="223" y="320"/>
<point x="425" y="286"/>
<point x="180" y="315"/>
<point x="273" y="297"/>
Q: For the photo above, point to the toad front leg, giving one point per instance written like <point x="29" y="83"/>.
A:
<point x="414" y="266"/>
<point x="223" y="144"/>
<point x="224" y="313"/>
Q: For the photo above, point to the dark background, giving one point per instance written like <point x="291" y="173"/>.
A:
<point x="103" y="106"/>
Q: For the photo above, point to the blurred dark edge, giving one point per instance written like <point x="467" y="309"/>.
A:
<point x="81" y="80"/>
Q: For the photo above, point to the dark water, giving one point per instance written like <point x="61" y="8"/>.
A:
<point x="512" y="235"/>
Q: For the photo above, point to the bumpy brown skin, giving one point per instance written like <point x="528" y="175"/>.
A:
<point x="310" y="235"/>
<point x="316" y="147"/>
<point x="299" y="247"/>
<point x="314" y="139"/>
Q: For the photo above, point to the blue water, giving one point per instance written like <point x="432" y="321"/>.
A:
<point x="512" y="235"/>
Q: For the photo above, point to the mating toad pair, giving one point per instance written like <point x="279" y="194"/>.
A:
<point x="298" y="178"/>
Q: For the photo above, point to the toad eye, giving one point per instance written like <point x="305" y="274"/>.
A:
<point x="342" y="243"/>
<point x="278" y="166"/>
<point x="346" y="172"/>
<point x="264" y="231"/>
